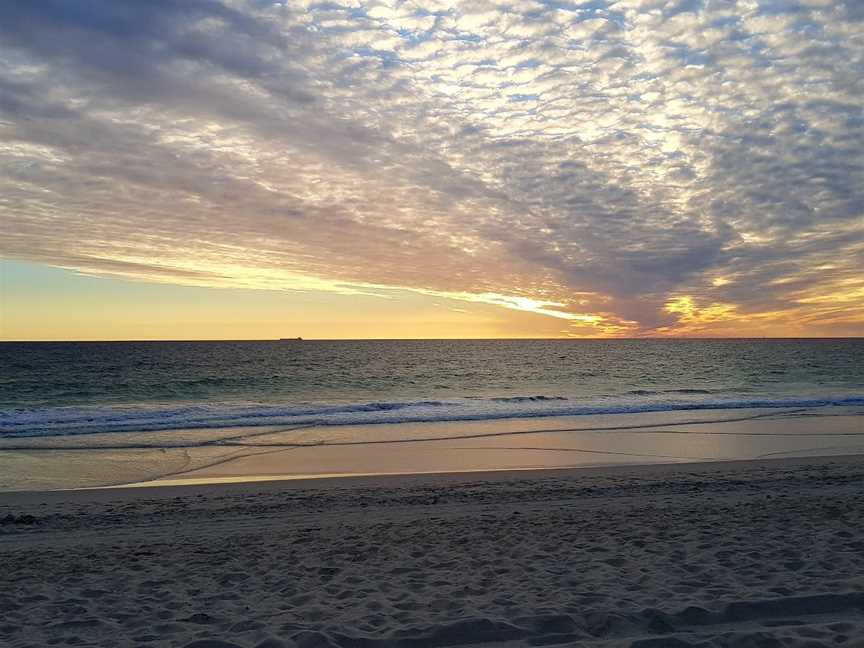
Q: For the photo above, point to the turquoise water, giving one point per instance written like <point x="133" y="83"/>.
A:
<point x="81" y="388"/>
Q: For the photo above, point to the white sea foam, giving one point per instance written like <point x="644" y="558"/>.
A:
<point x="63" y="421"/>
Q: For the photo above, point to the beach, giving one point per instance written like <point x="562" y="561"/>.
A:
<point x="425" y="494"/>
<point x="381" y="324"/>
<point x="748" y="553"/>
<point x="175" y="457"/>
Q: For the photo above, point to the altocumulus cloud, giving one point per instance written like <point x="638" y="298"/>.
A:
<point x="633" y="166"/>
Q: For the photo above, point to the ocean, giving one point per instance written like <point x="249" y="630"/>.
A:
<point x="87" y="387"/>
<point x="107" y="395"/>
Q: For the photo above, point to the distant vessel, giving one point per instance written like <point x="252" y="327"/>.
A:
<point x="297" y="339"/>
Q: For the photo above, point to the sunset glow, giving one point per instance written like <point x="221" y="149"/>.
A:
<point x="432" y="169"/>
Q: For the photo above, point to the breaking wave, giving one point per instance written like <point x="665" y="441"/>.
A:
<point x="63" y="421"/>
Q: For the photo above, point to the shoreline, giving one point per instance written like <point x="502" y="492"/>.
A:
<point x="81" y="420"/>
<point x="322" y="453"/>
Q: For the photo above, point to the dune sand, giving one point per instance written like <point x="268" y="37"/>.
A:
<point x="750" y="554"/>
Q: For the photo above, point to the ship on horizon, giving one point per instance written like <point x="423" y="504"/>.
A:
<point x="294" y="339"/>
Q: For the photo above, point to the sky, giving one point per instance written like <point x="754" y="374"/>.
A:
<point x="195" y="169"/>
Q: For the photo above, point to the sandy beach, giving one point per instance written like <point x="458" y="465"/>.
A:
<point x="766" y="553"/>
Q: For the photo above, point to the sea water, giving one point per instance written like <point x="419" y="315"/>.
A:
<point x="80" y="388"/>
<point x="146" y="395"/>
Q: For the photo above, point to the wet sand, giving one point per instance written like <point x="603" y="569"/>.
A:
<point x="260" y="453"/>
<point x="761" y="554"/>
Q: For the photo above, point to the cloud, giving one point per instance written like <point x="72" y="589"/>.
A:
<point x="591" y="161"/>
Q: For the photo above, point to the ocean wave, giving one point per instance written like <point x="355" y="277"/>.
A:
<point x="63" y="421"/>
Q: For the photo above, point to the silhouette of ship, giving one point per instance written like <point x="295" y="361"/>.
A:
<point x="297" y="339"/>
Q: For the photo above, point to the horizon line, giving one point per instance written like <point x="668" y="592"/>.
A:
<point x="478" y="339"/>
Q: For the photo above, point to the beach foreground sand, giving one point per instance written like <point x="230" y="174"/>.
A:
<point x="757" y="554"/>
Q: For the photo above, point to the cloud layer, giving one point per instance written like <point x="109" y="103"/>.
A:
<point x="630" y="166"/>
